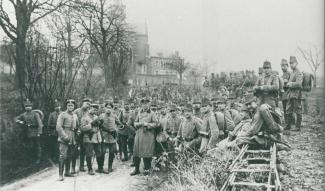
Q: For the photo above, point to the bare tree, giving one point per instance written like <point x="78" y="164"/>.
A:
<point x="179" y="66"/>
<point x="106" y="28"/>
<point x="314" y="58"/>
<point x="27" y="13"/>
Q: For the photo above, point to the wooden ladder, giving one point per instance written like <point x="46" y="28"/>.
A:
<point x="250" y="162"/>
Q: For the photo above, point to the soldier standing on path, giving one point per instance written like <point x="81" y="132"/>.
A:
<point x="294" y="105"/>
<point x="51" y="131"/>
<point x="80" y="113"/>
<point x="267" y="90"/>
<point x="123" y="132"/>
<point x="131" y="129"/>
<point x="284" y="91"/>
<point x="66" y="126"/>
<point x="144" y="142"/>
<point x="33" y="127"/>
<point x="109" y="136"/>
<point x="91" y="136"/>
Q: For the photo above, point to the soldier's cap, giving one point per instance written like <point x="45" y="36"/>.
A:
<point x="28" y="103"/>
<point x="260" y="70"/>
<point x="232" y="96"/>
<point x="266" y="64"/>
<point x="153" y="103"/>
<point x="172" y="107"/>
<point x="94" y="105"/>
<point x="115" y="99"/>
<point x="284" y="62"/>
<point x="293" y="59"/>
<point x="110" y="104"/>
<point x="221" y="100"/>
<point x="205" y="102"/>
<point x="250" y="99"/>
<point x="56" y="103"/>
<point x="86" y="100"/>
<point x="145" y="100"/>
<point x="70" y="101"/>
<point x="196" y="101"/>
<point x="188" y="107"/>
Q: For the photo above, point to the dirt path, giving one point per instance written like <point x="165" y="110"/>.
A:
<point x="119" y="180"/>
<point x="305" y="160"/>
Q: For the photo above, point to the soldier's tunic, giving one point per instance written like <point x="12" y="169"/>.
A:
<point x="189" y="133"/>
<point x="269" y="92"/>
<point x="91" y="135"/>
<point x="32" y="123"/>
<point x="294" y="92"/>
<point x="284" y="93"/>
<point x="109" y="131"/>
<point x="52" y="133"/>
<point x="209" y="132"/>
<point x="66" y="126"/>
<point x="144" y="141"/>
<point x="172" y="126"/>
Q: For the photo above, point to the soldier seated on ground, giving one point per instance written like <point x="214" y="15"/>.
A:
<point x="261" y="131"/>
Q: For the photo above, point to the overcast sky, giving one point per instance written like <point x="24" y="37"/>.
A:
<point x="232" y="34"/>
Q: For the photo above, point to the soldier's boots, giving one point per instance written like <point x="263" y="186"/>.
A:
<point x="73" y="164"/>
<point x="298" y="123"/>
<point x="67" y="169"/>
<point x="110" y="162"/>
<point x="89" y="166"/>
<point x="136" y="161"/>
<point x="126" y="157"/>
<point x="61" y="168"/>
<point x="100" y="162"/>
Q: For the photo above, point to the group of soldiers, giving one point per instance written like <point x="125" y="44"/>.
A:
<point x="147" y="126"/>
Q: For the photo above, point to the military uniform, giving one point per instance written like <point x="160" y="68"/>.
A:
<point x="123" y="134"/>
<point x="52" y="133"/>
<point x="294" y="97"/>
<point x="33" y="128"/>
<point x="209" y="132"/>
<point x="284" y="91"/>
<point x="92" y="140"/>
<point x="109" y="136"/>
<point x="66" y="126"/>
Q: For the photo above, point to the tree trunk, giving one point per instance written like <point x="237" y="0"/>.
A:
<point x="180" y="78"/>
<point x="20" y="62"/>
<point x="315" y="80"/>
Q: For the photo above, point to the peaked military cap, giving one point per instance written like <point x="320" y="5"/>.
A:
<point x="28" y="103"/>
<point x="267" y="64"/>
<point x="70" y="101"/>
<point x="293" y="59"/>
<point x="86" y="100"/>
<point x="188" y="107"/>
<point x="284" y="62"/>
<point x="94" y="105"/>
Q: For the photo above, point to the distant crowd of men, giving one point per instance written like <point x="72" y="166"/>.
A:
<point x="149" y="124"/>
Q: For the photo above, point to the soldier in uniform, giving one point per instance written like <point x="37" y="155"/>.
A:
<point x="294" y="105"/>
<point x="80" y="113"/>
<point x="90" y="126"/>
<point x="66" y="126"/>
<point x="131" y="129"/>
<point x="123" y="132"/>
<point x="267" y="89"/>
<point x="224" y="118"/>
<point x="284" y="91"/>
<point x="33" y="127"/>
<point x="260" y="77"/>
<point x="209" y="131"/>
<point x="109" y="136"/>
<point x="188" y="133"/>
<point x="144" y="143"/>
<point x="51" y="131"/>
<point x="197" y="108"/>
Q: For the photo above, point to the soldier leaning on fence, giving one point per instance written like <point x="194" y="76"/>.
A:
<point x="267" y="90"/>
<point x="144" y="142"/>
<point x="33" y="127"/>
<point x="92" y="138"/>
<point x="284" y="91"/>
<point x="66" y="127"/>
<point x="52" y="139"/>
<point x="109" y="135"/>
<point x="294" y="105"/>
<point x="85" y="104"/>
<point x="188" y="134"/>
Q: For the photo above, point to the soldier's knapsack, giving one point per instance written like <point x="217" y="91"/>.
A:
<point x="307" y="82"/>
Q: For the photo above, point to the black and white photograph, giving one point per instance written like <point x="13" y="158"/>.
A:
<point x="162" y="95"/>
